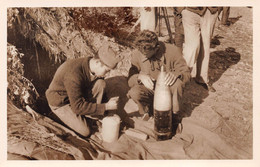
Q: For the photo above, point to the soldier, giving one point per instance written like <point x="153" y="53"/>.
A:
<point x="77" y="90"/>
<point x="146" y="61"/>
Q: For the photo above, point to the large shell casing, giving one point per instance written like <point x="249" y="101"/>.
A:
<point x="162" y="108"/>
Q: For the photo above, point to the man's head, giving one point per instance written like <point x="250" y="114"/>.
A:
<point x="104" y="61"/>
<point x="147" y="43"/>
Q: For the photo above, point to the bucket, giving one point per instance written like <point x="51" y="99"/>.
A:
<point x="110" y="128"/>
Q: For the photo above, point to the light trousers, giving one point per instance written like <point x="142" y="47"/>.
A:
<point x="143" y="96"/>
<point x="198" y="31"/>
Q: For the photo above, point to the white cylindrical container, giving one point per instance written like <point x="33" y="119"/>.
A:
<point x="110" y="128"/>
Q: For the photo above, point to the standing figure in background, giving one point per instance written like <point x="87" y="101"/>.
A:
<point x="179" y="32"/>
<point x="225" y="16"/>
<point x="148" y="18"/>
<point x="146" y="61"/>
<point x="198" y="24"/>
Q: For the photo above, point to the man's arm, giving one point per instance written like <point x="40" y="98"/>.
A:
<point x="74" y="87"/>
<point x="179" y="66"/>
<point x="134" y="70"/>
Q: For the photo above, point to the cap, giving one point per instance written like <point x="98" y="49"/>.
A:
<point x="108" y="56"/>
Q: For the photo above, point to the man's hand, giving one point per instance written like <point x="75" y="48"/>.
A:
<point x="146" y="80"/>
<point x="170" y="79"/>
<point x="112" y="103"/>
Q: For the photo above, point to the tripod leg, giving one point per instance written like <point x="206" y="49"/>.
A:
<point x="165" y="15"/>
<point x="159" y="17"/>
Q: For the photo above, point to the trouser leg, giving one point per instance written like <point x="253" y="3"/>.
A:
<point x="148" y="20"/>
<point x="225" y="15"/>
<point x="118" y="87"/>
<point x="143" y="97"/>
<point x="191" y="44"/>
<point x="176" y="91"/>
<point x="76" y="122"/>
<point x="179" y="32"/>
<point x="207" y="27"/>
<point x="79" y="122"/>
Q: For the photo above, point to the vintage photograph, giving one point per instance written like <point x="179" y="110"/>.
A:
<point x="130" y="83"/>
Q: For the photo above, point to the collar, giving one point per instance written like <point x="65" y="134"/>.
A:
<point x="86" y="68"/>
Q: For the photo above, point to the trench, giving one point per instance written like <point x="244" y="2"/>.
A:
<point x="39" y="66"/>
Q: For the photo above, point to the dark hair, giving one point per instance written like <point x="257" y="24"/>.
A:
<point x="147" y="40"/>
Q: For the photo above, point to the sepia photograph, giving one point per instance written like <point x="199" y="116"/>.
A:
<point x="129" y="83"/>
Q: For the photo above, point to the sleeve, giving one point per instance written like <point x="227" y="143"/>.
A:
<point x="74" y="87"/>
<point x="134" y="70"/>
<point x="178" y="66"/>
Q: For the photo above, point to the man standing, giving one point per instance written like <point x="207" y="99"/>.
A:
<point x="225" y="16"/>
<point x="179" y="32"/>
<point x="77" y="90"/>
<point x="198" y="24"/>
<point x="146" y="61"/>
<point x="148" y="18"/>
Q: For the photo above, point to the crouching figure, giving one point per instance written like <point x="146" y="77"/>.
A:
<point x="147" y="60"/>
<point x="77" y="90"/>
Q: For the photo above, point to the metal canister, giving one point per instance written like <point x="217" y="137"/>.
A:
<point x="162" y="108"/>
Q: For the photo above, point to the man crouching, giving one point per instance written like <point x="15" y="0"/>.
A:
<point x="146" y="61"/>
<point x="77" y="90"/>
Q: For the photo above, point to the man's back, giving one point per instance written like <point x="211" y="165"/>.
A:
<point x="76" y="70"/>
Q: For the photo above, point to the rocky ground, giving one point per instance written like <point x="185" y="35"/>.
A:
<point x="229" y="111"/>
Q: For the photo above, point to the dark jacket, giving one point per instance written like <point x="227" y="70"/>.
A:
<point x="168" y="55"/>
<point x="70" y="86"/>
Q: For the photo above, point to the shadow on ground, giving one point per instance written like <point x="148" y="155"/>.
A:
<point x="233" y="20"/>
<point x="220" y="61"/>
<point x="215" y="41"/>
<point x="195" y="94"/>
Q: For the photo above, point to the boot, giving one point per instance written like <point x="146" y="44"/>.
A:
<point x="176" y="124"/>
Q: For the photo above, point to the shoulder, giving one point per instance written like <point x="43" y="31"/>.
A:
<point x="74" y="67"/>
<point x="73" y="62"/>
<point x="136" y="52"/>
<point x="172" y="49"/>
<point x="136" y="55"/>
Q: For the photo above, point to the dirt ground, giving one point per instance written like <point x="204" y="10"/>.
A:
<point x="229" y="111"/>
